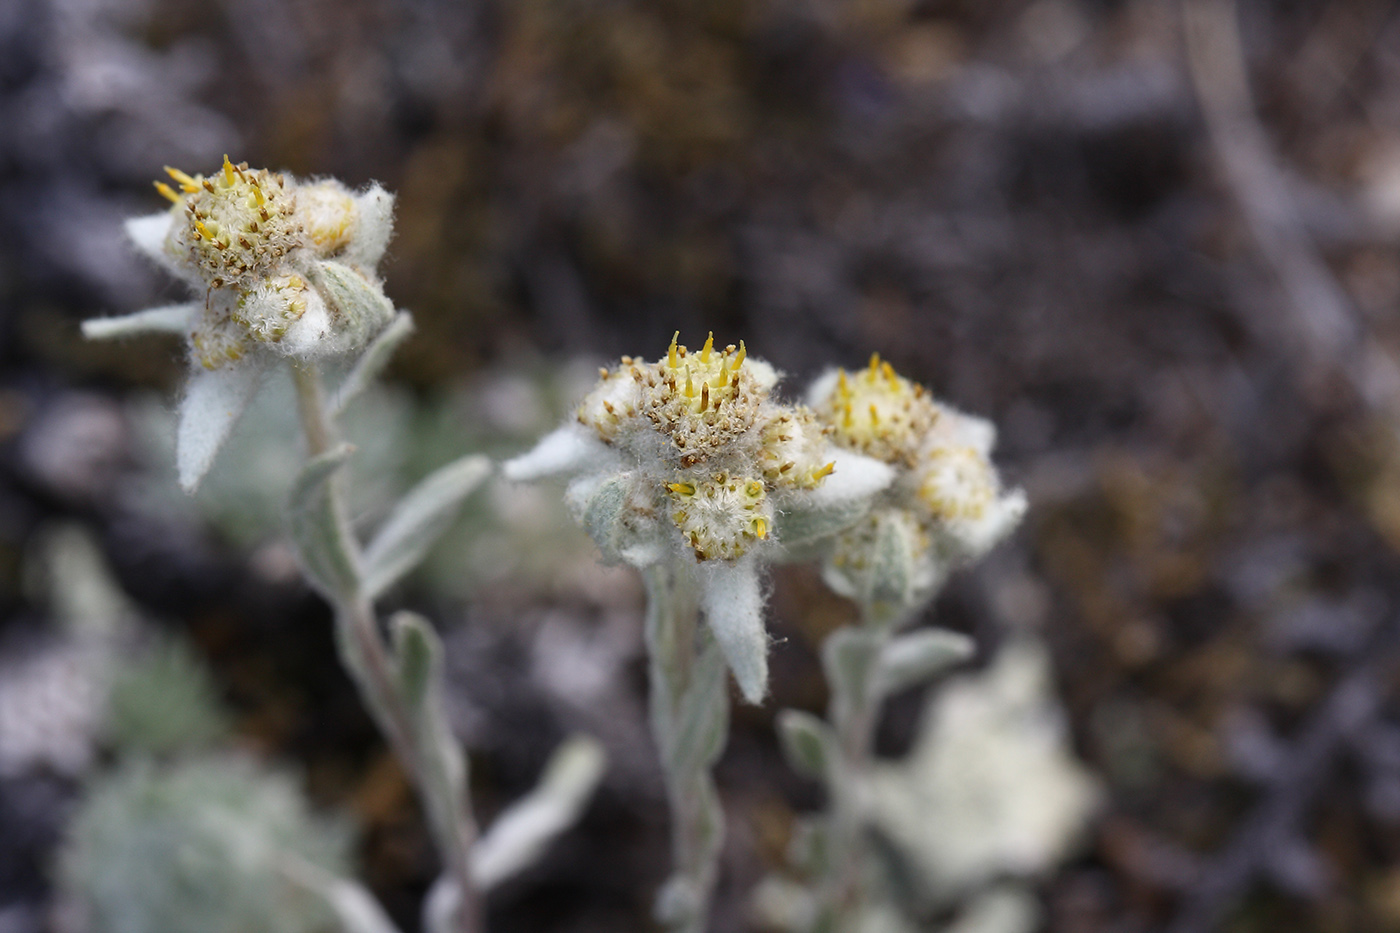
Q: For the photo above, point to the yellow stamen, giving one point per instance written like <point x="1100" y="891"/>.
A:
<point x="890" y="377"/>
<point x="704" y="396"/>
<point x="874" y="363"/>
<point x="709" y="346"/>
<point x="846" y="420"/>
<point x="682" y="489"/>
<point x="199" y="225"/>
<point x="743" y="355"/>
<point x="843" y="388"/>
<point x="168" y="192"/>
<point x="825" y="471"/>
<point x="754" y="489"/>
<point x="671" y="353"/>
<point x="689" y="386"/>
<point x="185" y="181"/>
<point x="228" y="170"/>
<point x="760" y="527"/>
<point x="874" y="416"/>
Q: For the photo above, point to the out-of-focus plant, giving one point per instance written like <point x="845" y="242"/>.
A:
<point x="691" y="471"/>
<point x="163" y="699"/>
<point x="944" y="508"/>
<point x="285" y="271"/>
<point x="991" y="788"/>
<point x="212" y="843"/>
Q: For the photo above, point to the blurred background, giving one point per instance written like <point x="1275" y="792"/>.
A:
<point x="1155" y="242"/>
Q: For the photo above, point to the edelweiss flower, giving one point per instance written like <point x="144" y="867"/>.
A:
<point x="284" y="268"/>
<point x="945" y="506"/>
<point x="690" y="458"/>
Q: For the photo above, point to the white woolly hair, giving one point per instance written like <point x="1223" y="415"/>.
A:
<point x="731" y="595"/>
<point x="374" y="226"/>
<point x="214" y="401"/>
<point x="822" y="387"/>
<point x="570" y="449"/>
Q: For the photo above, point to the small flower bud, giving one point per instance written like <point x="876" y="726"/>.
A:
<point x="722" y="516"/>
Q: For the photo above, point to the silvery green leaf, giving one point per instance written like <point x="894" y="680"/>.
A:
<point x="681" y="901"/>
<point x="809" y="850"/>
<point x="732" y="600"/>
<point x="419" y="520"/>
<point x="603" y="505"/>
<point x="320" y="534"/>
<point x="443" y="766"/>
<point x="701" y="716"/>
<point x="214" y="401"/>
<point x="441" y="905"/>
<point x="167" y="319"/>
<point x="808" y="744"/>
<point x="919" y="656"/>
<point x="373" y="361"/>
<point x="892" y="559"/>
<point x="358" y="307"/>
<point x="849" y="656"/>
<point x="801" y="523"/>
<point x="520" y="834"/>
<point x="677" y="903"/>
<point x="354" y="907"/>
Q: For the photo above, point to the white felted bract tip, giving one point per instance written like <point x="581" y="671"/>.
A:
<point x="763" y="373"/>
<point x="566" y="450"/>
<point x="213" y="403"/>
<point x="732" y="599"/>
<point x="822" y="387"/>
<point x="374" y="225"/>
<point x="312" y="333"/>
<point x="976" y="538"/>
<point x="150" y="235"/>
<point x="167" y="319"/>
<point x="855" y="477"/>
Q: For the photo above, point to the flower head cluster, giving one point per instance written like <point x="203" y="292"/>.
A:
<point x="282" y="268"/>
<point x="691" y="457"/>
<point x="946" y="505"/>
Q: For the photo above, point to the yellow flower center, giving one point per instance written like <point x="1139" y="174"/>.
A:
<point x="238" y="224"/>
<point x="879" y="413"/>
<point x="720" y="516"/>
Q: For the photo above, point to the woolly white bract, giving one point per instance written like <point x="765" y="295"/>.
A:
<point x="946" y="506"/>
<point x="690" y="458"/>
<point x="285" y="268"/>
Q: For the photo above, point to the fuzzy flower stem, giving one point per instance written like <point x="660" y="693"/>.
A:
<point x="854" y="713"/>
<point x="451" y="821"/>
<point x="689" y="702"/>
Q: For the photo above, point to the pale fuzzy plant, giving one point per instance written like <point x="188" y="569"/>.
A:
<point x="991" y="788"/>
<point x="285" y="271"/>
<point x="213" y="843"/>
<point x="944" y="508"/>
<point x="688" y="469"/>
